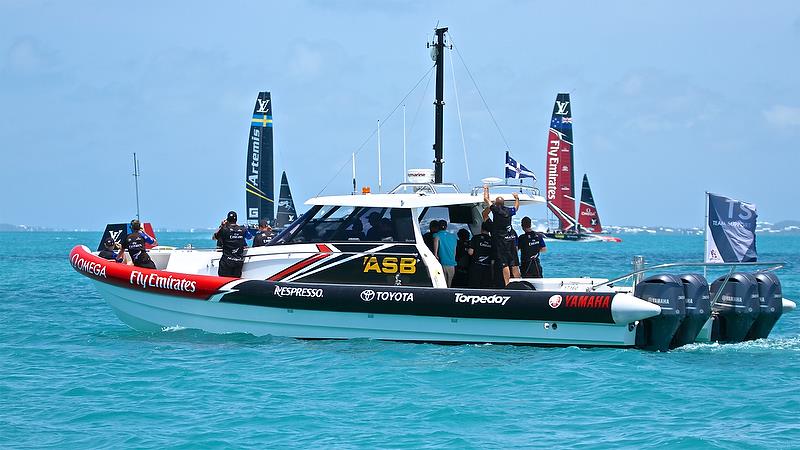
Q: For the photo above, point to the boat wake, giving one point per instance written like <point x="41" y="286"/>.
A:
<point x="791" y="344"/>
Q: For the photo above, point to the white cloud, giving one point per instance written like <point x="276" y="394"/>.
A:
<point x="26" y="55"/>
<point x="783" y="116"/>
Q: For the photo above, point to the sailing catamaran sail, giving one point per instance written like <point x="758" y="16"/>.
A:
<point x="259" y="179"/>
<point x="560" y="161"/>
<point x="286" y="211"/>
<point x="587" y="211"/>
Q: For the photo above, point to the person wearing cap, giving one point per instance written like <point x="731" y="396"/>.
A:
<point x="108" y="252"/>
<point x="136" y="244"/>
<point x="263" y="235"/>
<point x="233" y="238"/>
<point x="531" y="244"/>
<point x="481" y="254"/>
<point x="503" y="235"/>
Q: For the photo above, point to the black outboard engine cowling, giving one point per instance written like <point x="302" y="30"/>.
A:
<point x="770" y="299"/>
<point x="666" y="291"/>
<point x="698" y="309"/>
<point x="737" y="307"/>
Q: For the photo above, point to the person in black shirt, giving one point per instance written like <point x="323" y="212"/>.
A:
<point x="377" y="230"/>
<point x="531" y="244"/>
<point x="136" y="244"/>
<point x="233" y="238"/>
<point x="428" y="237"/>
<point x="263" y="235"/>
<point x="108" y="252"/>
<point x="355" y="231"/>
<point x="461" y="277"/>
<point x="503" y="235"/>
<point x="481" y="252"/>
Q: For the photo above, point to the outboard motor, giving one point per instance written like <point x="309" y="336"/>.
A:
<point x="698" y="309"/>
<point x="770" y="299"/>
<point x="666" y="291"/>
<point x="737" y="307"/>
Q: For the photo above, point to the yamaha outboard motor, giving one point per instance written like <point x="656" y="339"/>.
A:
<point x="666" y="291"/>
<point x="736" y="308"/>
<point x="770" y="299"/>
<point x="698" y="309"/>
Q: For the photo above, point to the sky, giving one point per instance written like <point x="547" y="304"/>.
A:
<point x="670" y="99"/>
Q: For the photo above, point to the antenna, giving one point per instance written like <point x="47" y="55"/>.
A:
<point x="136" y="175"/>
<point x="405" y="166"/>
<point x="379" y="156"/>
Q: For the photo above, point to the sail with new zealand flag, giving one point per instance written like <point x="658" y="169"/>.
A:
<point x="559" y="168"/>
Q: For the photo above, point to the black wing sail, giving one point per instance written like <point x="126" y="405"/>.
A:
<point x="587" y="210"/>
<point x="286" y="211"/>
<point x="259" y="178"/>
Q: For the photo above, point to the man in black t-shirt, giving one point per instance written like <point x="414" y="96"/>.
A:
<point x="263" y="235"/>
<point x="503" y="236"/>
<point x="530" y="245"/>
<point x="233" y="238"/>
<point x="481" y="253"/>
<point x="136" y="245"/>
<point x="110" y="252"/>
<point x="433" y="228"/>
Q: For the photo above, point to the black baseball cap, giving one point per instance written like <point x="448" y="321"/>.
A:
<point x="136" y="225"/>
<point x="231" y="217"/>
<point x="108" y="242"/>
<point x="263" y="223"/>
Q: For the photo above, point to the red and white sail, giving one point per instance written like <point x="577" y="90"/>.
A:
<point x="560" y="164"/>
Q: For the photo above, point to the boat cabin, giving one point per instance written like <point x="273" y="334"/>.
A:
<point x="366" y="239"/>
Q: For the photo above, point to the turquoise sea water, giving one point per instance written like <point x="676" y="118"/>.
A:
<point x="73" y="376"/>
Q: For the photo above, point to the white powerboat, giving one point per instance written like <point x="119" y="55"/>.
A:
<point x="356" y="266"/>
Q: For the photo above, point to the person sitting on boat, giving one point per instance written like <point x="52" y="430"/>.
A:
<point x="444" y="248"/>
<point x="503" y="235"/>
<point x="531" y="244"/>
<point x="110" y="252"/>
<point x="433" y="227"/>
<point x="377" y="231"/>
<point x="234" y="241"/>
<point x="481" y="253"/>
<point x="356" y="232"/>
<point x="386" y="228"/>
<point x="136" y="245"/>
<point x="461" y="278"/>
<point x="263" y="235"/>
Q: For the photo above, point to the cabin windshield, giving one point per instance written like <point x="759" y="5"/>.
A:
<point x="348" y="224"/>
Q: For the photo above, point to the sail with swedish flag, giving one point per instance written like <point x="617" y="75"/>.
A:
<point x="259" y="178"/>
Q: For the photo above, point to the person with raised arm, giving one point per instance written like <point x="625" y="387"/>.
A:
<point x="503" y="236"/>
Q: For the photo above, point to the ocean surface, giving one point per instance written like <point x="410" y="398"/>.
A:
<point x="73" y="376"/>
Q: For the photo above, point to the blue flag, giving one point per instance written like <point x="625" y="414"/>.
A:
<point x="516" y="170"/>
<point x="730" y="230"/>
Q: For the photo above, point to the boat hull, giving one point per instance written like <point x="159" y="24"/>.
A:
<point x="148" y="311"/>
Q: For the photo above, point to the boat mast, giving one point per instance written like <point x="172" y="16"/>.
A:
<point x="136" y="180"/>
<point x="438" y="148"/>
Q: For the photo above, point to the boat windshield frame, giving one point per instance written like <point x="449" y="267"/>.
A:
<point x="323" y="224"/>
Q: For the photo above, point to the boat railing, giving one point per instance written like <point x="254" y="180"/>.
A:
<point x="521" y="188"/>
<point x="636" y="275"/>
<point x="425" y="188"/>
<point x="289" y="254"/>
